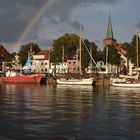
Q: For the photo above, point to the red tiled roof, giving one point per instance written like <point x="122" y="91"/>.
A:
<point x="43" y="52"/>
<point x="3" y="50"/>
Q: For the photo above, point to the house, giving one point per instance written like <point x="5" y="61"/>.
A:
<point x="3" y="53"/>
<point x="105" y="69"/>
<point x="58" y="67"/>
<point x="41" y="62"/>
<point x="69" y="66"/>
<point x="73" y="66"/>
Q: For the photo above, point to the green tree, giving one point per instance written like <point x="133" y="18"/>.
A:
<point x="130" y="53"/>
<point x="25" y="49"/>
<point x="100" y="56"/>
<point x="89" y="49"/>
<point x="70" y="42"/>
<point x="132" y="49"/>
<point x="113" y="55"/>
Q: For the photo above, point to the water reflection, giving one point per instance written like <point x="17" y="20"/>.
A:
<point x="123" y="90"/>
<point x="85" y="112"/>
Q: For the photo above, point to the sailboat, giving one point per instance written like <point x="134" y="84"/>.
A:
<point x="77" y="81"/>
<point x="13" y="76"/>
<point x="128" y="81"/>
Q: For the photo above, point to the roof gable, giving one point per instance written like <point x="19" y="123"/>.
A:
<point x="43" y="52"/>
<point x="3" y="50"/>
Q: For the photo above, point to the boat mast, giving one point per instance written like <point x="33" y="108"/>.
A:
<point x="80" y="57"/>
<point x="106" y="59"/>
<point x="137" y="60"/>
<point x="49" y="57"/>
<point x="62" y="55"/>
<point x="91" y="54"/>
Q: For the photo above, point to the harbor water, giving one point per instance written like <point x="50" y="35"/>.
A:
<point x="43" y="112"/>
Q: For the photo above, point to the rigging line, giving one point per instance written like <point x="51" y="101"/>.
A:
<point x="91" y="56"/>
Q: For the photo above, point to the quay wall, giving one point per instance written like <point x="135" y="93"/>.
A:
<point x="51" y="81"/>
<point x="97" y="82"/>
<point x="102" y="82"/>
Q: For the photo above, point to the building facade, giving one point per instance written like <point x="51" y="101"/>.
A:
<point x="58" y="67"/>
<point x="109" y="41"/>
<point x="73" y="66"/>
<point x="41" y="62"/>
<point x="3" y="54"/>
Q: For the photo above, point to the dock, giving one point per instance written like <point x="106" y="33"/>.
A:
<point x="102" y="82"/>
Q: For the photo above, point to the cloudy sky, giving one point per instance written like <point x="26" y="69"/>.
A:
<point x="41" y="21"/>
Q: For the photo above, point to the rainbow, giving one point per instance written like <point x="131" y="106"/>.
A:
<point x="30" y="24"/>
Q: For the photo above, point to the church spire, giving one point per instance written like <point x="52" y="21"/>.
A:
<point x="109" y="33"/>
<point x="109" y="40"/>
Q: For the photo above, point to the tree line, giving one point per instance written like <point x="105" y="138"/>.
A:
<point x="70" y="44"/>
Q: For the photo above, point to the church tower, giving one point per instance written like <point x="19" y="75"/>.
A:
<point x="109" y="40"/>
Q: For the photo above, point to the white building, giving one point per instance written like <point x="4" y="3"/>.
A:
<point x="40" y="61"/>
<point x="106" y="69"/>
<point x="59" y="67"/>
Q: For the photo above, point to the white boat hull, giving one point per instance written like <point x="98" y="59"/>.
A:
<point x="131" y="85"/>
<point x="118" y="82"/>
<point x="88" y="81"/>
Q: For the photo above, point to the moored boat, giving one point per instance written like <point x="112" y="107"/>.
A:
<point x="77" y="80"/>
<point x="129" y="84"/>
<point x="29" y="78"/>
<point x="126" y="80"/>
<point x="82" y="81"/>
<point x="22" y="75"/>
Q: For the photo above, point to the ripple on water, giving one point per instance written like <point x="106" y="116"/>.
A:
<point x="85" y="112"/>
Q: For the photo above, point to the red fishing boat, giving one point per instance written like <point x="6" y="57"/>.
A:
<point x="30" y="78"/>
<point x="23" y="75"/>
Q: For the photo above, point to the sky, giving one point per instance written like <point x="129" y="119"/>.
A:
<point x="42" y="21"/>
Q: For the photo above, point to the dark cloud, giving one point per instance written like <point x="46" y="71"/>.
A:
<point x="63" y="8"/>
<point x="15" y="15"/>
